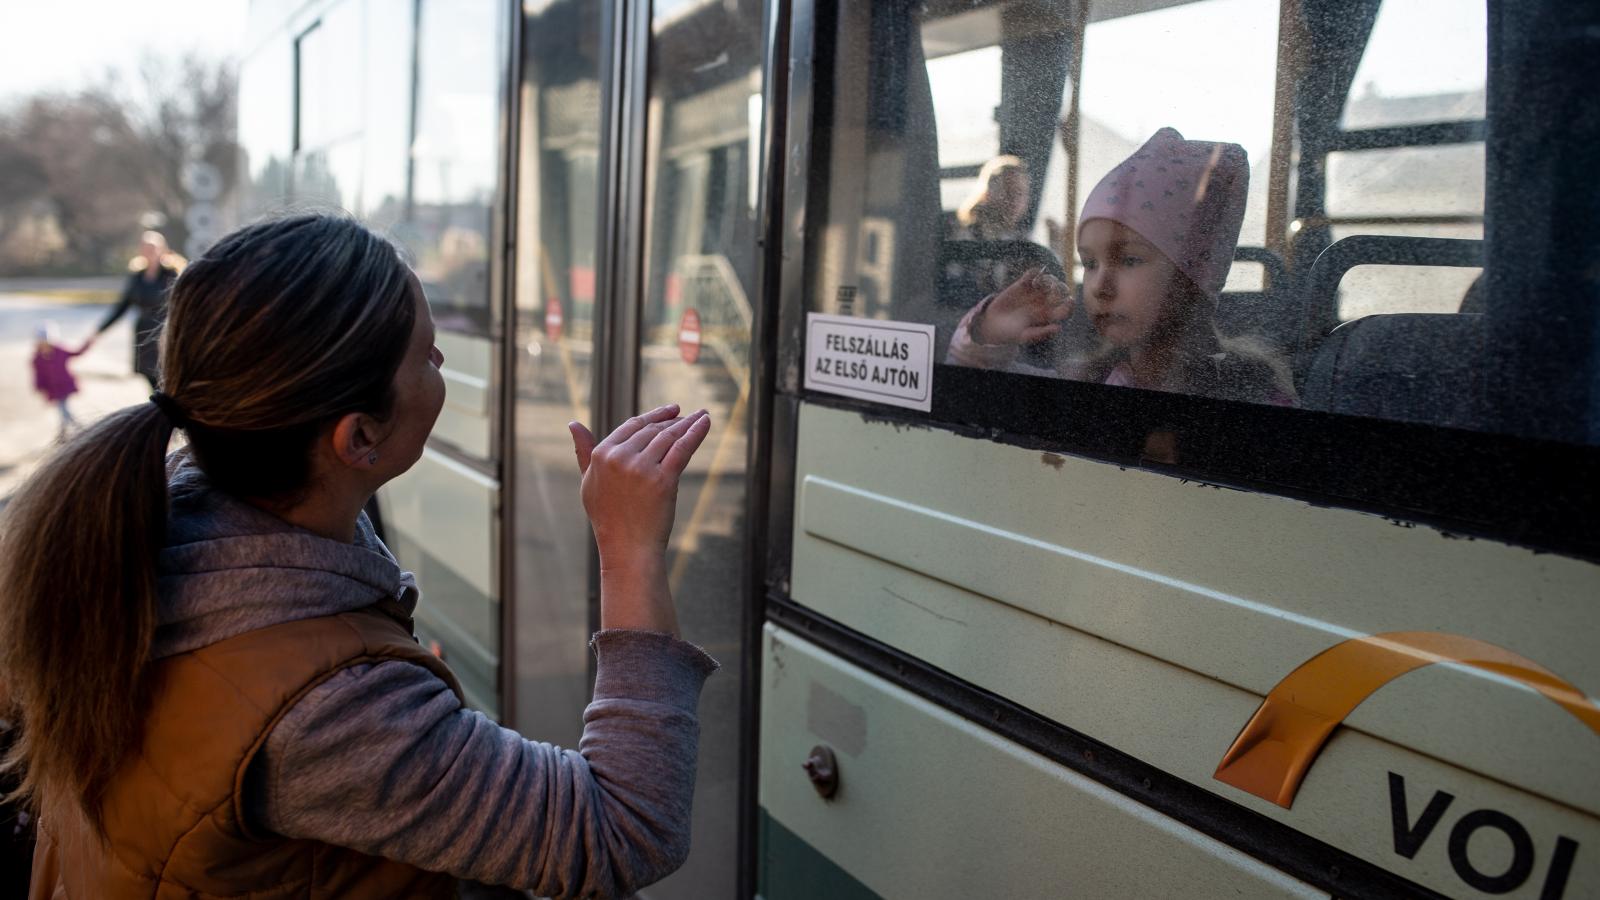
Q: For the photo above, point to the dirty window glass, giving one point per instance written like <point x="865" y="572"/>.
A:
<point x="1391" y="88"/>
<point x="1173" y="197"/>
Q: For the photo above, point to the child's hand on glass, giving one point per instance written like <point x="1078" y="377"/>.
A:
<point x="1029" y="310"/>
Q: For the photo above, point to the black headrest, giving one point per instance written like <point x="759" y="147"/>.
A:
<point x="1414" y="367"/>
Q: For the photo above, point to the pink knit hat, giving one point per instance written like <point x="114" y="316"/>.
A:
<point x="1185" y="197"/>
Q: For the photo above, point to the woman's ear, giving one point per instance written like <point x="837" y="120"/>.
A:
<point x="355" y="440"/>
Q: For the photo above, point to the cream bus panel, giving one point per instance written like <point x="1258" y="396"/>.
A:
<point x="449" y="509"/>
<point x="930" y="805"/>
<point x="464" y="421"/>
<point x="1169" y="670"/>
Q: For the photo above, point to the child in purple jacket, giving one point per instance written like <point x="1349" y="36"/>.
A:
<point x="50" y="374"/>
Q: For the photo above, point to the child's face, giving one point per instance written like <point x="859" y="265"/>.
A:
<point x="1125" y="282"/>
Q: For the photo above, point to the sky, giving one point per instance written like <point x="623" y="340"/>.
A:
<point x="66" y="44"/>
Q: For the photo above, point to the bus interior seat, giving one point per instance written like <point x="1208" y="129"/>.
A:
<point x="1318" y="307"/>
<point x="1476" y="298"/>
<point x="1415" y="367"/>
<point x="1265" y="314"/>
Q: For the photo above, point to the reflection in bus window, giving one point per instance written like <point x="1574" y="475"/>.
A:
<point x="453" y="158"/>
<point x="389" y="42"/>
<point x="553" y="353"/>
<point x="695" y="334"/>
<point x="266" y="134"/>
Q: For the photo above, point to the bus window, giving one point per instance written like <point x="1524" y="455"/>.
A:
<point x="998" y="81"/>
<point x="266" y="126"/>
<point x="966" y="90"/>
<point x="389" y="43"/>
<point x="1417" y="191"/>
<point x="1205" y="69"/>
<point x="1213" y="208"/>
<point x="454" y="165"/>
<point x="1390" y="88"/>
<point x="327" y="124"/>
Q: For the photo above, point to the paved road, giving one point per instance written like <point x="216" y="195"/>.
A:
<point x="105" y="380"/>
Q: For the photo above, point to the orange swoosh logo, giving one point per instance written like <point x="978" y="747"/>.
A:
<point x="1272" y="754"/>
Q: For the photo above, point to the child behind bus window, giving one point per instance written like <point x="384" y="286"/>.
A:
<point x="1156" y="238"/>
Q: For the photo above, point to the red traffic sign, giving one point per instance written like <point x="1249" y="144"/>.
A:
<point x="552" y="318"/>
<point x="689" y="336"/>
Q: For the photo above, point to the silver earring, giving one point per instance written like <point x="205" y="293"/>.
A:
<point x="372" y="458"/>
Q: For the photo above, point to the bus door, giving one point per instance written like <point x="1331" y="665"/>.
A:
<point x="1312" y="617"/>
<point x="635" y="246"/>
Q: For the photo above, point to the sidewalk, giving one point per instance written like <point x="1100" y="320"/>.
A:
<point x="106" y="383"/>
<point x="99" y="289"/>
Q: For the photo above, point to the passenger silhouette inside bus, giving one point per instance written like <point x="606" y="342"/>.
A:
<point x="987" y="242"/>
<point x="998" y="209"/>
<point x="1156" y="238"/>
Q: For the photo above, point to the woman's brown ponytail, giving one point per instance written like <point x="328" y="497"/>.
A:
<point x="78" y="552"/>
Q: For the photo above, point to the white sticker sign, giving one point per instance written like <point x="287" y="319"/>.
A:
<point x="870" y="359"/>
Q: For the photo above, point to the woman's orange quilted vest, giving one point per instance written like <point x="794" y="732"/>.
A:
<point x="173" y="812"/>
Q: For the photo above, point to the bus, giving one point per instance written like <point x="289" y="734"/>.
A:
<point x="1000" y="631"/>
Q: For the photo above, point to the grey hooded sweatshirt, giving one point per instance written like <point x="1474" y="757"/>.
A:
<point x="382" y="757"/>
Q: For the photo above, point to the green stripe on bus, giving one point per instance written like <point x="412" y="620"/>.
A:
<point x="792" y="869"/>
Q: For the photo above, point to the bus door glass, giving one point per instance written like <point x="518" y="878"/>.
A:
<point x="552" y="345"/>
<point x="700" y="264"/>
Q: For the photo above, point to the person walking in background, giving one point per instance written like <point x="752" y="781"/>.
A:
<point x="211" y="654"/>
<point x="51" y="377"/>
<point x="150" y="277"/>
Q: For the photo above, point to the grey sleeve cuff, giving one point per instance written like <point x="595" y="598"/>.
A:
<point x="649" y="666"/>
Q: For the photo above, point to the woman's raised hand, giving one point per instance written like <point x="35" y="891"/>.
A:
<point x="630" y="491"/>
<point x="1029" y="310"/>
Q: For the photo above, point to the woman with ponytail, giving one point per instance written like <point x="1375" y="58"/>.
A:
<point x="209" y="654"/>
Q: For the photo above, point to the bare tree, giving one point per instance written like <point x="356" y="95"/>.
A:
<point x="188" y="114"/>
<point x="97" y="161"/>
